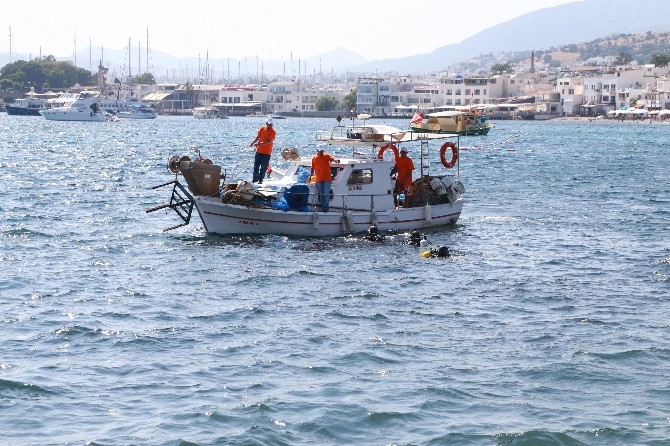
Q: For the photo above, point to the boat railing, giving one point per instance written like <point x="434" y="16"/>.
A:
<point x="341" y="201"/>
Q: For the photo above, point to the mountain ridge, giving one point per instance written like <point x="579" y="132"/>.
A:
<point x="538" y="30"/>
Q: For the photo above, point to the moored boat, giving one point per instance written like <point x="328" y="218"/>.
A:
<point x="137" y="112"/>
<point x="114" y="106"/>
<point x="361" y="191"/>
<point x="461" y="122"/>
<point x="80" y="107"/>
<point x="28" y="106"/>
<point x="206" y="112"/>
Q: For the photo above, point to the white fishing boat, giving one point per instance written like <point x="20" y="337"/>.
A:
<point x="361" y="191"/>
<point x="79" y="107"/>
<point x="114" y="106"/>
<point x="206" y="112"/>
<point x="137" y="112"/>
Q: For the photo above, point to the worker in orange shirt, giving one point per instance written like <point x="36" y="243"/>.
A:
<point x="403" y="183"/>
<point x="321" y="169"/>
<point x="264" y="141"/>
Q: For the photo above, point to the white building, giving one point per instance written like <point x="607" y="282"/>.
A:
<point x="571" y="91"/>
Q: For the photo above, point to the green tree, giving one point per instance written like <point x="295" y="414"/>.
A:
<point x="501" y="68"/>
<point x="9" y="85"/>
<point x="146" y="78"/>
<point x="326" y="104"/>
<point x="623" y="59"/>
<point x="349" y="100"/>
<point x="660" y="60"/>
<point x="44" y="73"/>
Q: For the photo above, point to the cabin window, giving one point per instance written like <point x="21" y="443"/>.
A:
<point x="360" y="176"/>
<point x="335" y="171"/>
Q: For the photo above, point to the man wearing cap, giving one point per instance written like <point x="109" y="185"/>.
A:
<point x="321" y="167"/>
<point x="263" y="142"/>
<point x="403" y="183"/>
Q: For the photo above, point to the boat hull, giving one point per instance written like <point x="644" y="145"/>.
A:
<point x="22" y="111"/>
<point x="478" y="130"/>
<point x="74" y="115"/>
<point x="124" y="115"/>
<point x="223" y="218"/>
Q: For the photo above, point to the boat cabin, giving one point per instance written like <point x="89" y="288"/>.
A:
<point x="357" y="184"/>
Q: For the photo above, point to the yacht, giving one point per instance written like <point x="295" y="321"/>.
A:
<point x="206" y="112"/>
<point x="28" y="106"/>
<point x="137" y="112"/>
<point x="83" y="106"/>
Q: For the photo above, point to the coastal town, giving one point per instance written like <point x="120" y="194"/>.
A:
<point x="528" y="93"/>
<point x="526" y="89"/>
<point x="531" y="91"/>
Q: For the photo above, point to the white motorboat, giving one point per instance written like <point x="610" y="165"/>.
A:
<point x="137" y="112"/>
<point x="361" y="191"/>
<point x="116" y="105"/>
<point x="206" y="112"/>
<point x="79" y="107"/>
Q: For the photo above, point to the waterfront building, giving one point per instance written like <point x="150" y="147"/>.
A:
<point x="571" y="96"/>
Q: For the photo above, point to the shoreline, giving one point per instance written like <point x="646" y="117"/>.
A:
<point x="601" y="119"/>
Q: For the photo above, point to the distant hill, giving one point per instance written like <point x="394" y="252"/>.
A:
<point x="641" y="47"/>
<point x="570" y="23"/>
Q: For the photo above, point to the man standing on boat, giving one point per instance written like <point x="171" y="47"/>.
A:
<point x="403" y="183"/>
<point x="321" y="166"/>
<point x="263" y="142"/>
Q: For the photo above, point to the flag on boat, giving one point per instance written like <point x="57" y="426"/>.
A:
<point x="417" y="118"/>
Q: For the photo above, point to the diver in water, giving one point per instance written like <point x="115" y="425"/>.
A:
<point x="440" y="251"/>
<point x="373" y="234"/>
<point x="415" y="239"/>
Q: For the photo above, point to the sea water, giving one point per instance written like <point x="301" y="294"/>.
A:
<point x="548" y="325"/>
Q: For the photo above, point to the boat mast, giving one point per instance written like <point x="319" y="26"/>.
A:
<point x="129" y="64"/>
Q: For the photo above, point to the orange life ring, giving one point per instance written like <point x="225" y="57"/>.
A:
<point x="454" y="154"/>
<point x="382" y="149"/>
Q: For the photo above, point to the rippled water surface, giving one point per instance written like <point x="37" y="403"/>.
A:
<point x="548" y="325"/>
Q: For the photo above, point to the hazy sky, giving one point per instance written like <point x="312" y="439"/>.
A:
<point x="375" y="29"/>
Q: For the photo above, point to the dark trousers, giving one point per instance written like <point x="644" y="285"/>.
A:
<point x="261" y="162"/>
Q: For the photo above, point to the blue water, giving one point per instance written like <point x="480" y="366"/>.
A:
<point x="547" y="326"/>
